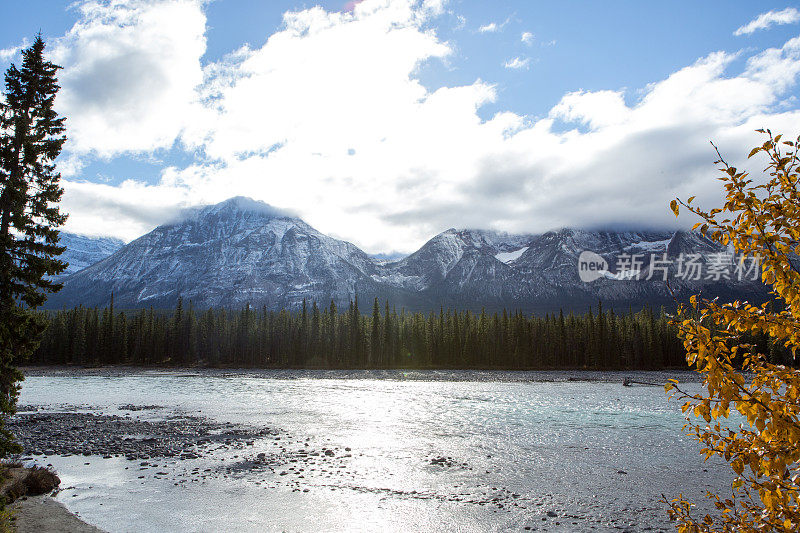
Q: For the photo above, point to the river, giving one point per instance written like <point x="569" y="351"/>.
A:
<point x="375" y="451"/>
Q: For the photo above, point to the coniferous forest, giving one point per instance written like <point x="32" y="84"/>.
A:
<point x="328" y="337"/>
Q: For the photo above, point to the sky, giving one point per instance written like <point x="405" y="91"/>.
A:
<point x="385" y="122"/>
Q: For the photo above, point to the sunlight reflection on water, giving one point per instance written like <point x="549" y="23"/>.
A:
<point x="595" y="453"/>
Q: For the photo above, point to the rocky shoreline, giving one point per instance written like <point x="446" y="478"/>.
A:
<point x="73" y="433"/>
<point x="80" y="433"/>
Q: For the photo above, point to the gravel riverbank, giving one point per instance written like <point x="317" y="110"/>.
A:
<point x="88" y="433"/>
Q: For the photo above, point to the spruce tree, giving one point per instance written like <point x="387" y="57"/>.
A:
<point x="31" y="137"/>
<point x="375" y="340"/>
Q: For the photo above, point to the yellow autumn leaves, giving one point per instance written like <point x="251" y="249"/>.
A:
<point x="760" y="218"/>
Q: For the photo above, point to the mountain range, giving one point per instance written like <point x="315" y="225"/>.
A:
<point x="242" y="252"/>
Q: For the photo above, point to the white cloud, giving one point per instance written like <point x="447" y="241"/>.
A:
<point x="776" y="67"/>
<point x="517" y="63"/>
<point x="434" y="7"/>
<point x="342" y="132"/>
<point x="130" y="72"/>
<point x="316" y="85"/>
<point x="527" y="38"/>
<point x="6" y="54"/>
<point x="494" y="27"/>
<point x="789" y="15"/>
<point x="597" y="109"/>
<point x="9" y="54"/>
<point x="125" y="211"/>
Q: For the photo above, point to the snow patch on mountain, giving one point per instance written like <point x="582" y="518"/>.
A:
<point x="649" y="246"/>
<point x="510" y="257"/>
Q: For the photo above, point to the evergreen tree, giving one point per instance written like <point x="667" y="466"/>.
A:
<point x="375" y="340"/>
<point x="386" y="342"/>
<point x="313" y="343"/>
<point x="330" y="339"/>
<point x="31" y="137"/>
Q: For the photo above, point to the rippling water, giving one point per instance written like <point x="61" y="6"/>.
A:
<point x="517" y="445"/>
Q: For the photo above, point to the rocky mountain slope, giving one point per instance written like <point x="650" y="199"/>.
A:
<point x="83" y="251"/>
<point x="241" y="251"/>
<point x="230" y="254"/>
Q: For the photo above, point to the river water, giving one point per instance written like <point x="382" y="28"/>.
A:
<point x="409" y="451"/>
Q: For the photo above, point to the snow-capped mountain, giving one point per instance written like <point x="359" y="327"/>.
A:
<point x="466" y="268"/>
<point x="242" y="251"/>
<point x="472" y="268"/>
<point x="83" y="251"/>
<point x="638" y="263"/>
<point x="230" y="254"/>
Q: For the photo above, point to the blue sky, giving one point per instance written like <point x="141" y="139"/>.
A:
<point x="504" y="148"/>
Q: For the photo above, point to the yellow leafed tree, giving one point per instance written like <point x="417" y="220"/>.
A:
<point x="760" y="218"/>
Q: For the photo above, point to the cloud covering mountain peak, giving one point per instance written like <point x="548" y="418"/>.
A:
<point x="387" y="143"/>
